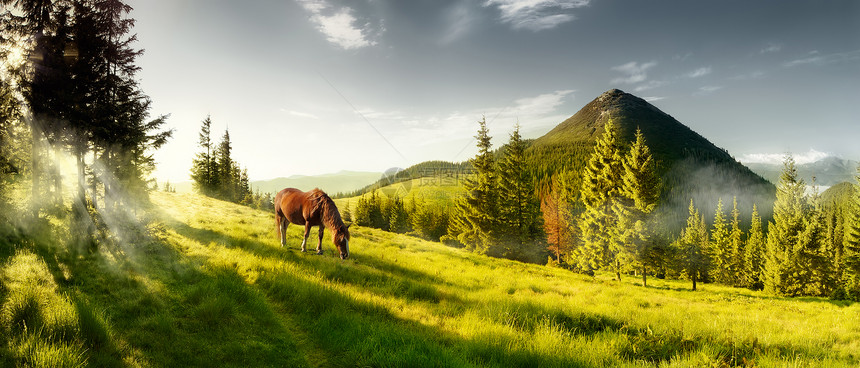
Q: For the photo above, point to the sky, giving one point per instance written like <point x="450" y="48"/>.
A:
<point x="309" y="87"/>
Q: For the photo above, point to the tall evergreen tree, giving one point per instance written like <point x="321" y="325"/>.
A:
<point x="475" y="223"/>
<point x="736" y="246"/>
<point x="601" y="183"/>
<point x="520" y="220"/>
<point x="720" y="248"/>
<point x="203" y="167"/>
<point x="692" y="245"/>
<point x="782" y="269"/>
<point x="639" y="193"/>
<point x="851" y="251"/>
<point x="754" y="250"/>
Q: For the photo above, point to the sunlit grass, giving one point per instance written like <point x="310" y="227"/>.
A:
<point x="214" y="286"/>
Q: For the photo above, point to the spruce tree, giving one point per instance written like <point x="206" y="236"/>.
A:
<point x="781" y="266"/>
<point x="475" y="222"/>
<point x="639" y="192"/>
<point x="601" y="183"/>
<point x="692" y="245"/>
<point x="203" y="167"/>
<point x="754" y="250"/>
<point x="520" y="221"/>
<point x="736" y="246"/>
<point x="720" y="249"/>
<point x="851" y="250"/>
<point x="559" y="222"/>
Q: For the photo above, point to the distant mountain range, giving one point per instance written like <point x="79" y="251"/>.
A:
<point x="827" y="172"/>
<point x="339" y="182"/>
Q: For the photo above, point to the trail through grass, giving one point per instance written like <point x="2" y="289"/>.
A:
<point x="212" y="286"/>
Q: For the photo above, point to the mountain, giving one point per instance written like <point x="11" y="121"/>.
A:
<point x="827" y="172"/>
<point x="691" y="166"/>
<point x="339" y="182"/>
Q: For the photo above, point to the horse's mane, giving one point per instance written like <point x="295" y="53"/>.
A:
<point x="328" y="211"/>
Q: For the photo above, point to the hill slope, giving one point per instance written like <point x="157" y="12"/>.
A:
<point x="211" y="286"/>
<point x="339" y="182"/>
<point x="691" y="166"/>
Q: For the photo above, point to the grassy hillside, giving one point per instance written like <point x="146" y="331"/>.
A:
<point x="211" y="286"/>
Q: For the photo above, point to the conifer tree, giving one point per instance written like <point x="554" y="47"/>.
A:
<point x="520" y="221"/>
<point x="559" y="222"/>
<point x="736" y="246"/>
<point x="475" y="223"/>
<point x="753" y="253"/>
<point x="692" y="245"/>
<point x="203" y="167"/>
<point x="851" y="251"/>
<point x="720" y="247"/>
<point x="781" y="265"/>
<point x="601" y="183"/>
<point x="639" y="192"/>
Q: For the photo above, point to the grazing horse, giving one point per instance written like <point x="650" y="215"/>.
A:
<point x="312" y="208"/>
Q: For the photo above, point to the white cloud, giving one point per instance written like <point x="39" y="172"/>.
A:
<point x="701" y="72"/>
<point x="536" y="15"/>
<point x="653" y="98"/>
<point x="771" y="48"/>
<point x="706" y="90"/>
<point x="635" y="72"/>
<point x="777" y="158"/>
<point x="650" y="85"/>
<point x="459" y="21"/>
<point x="301" y="114"/>
<point x="338" y="25"/>
<point x="816" y="58"/>
<point x="542" y="104"/>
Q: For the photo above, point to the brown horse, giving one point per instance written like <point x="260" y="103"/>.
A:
<point x="312" y="208"/>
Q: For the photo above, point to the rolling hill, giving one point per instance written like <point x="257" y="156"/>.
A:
<point x="206" y="283"/>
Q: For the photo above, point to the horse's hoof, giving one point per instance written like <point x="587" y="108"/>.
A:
<point x="319" y="252"/>
<point x="304" y="250"/>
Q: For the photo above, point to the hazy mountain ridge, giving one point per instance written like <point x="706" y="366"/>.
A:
<point x="827" y="172"/>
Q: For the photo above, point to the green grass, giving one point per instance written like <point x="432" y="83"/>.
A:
<point x="213" y="287"/>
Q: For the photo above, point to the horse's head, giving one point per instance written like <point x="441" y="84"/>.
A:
<point x="341" y="241"/>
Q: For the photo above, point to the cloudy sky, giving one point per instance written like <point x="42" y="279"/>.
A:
<point x="318" y="86"/>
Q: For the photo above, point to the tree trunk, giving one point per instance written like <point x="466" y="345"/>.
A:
<point x="694" y="282"/>
<point x="644" y="277"/>
<point x="34" y="166"/>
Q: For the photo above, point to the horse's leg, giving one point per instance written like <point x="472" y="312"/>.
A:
<point x="305" y="241"/>
<point x="319" y="245"/>
<point x="279" y="222"/>
<point x="283" y="229"/>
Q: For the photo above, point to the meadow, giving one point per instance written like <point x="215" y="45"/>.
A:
<point x="207" y="283"/>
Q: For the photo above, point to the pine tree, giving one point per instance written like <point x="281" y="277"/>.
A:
<point x="398" y="218"/>
<point x="736" y="246"/>
<point x="692" y="245"/>
<point x="782" y="268"/>
<point x="753" y="253"/>
<point x="475" y="222"/>
<point x="720" y="248"/>
<point x="559" y="222"/>
<point x="203" y="167"/>
<point x="521" y="224"/>
<point x="224" y="167"/>
<point x="601" y="183"/>
<point x="638" y="198"/>
<point x="851" y="250"/>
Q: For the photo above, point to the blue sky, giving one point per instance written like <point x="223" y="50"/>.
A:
<point x="318" y="86"/>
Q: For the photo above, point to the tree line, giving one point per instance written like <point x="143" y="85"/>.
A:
<point x="71" y="91"/>
<point x="216" y="174"/>
<point x="415" y="216"/>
